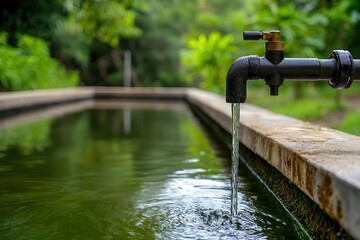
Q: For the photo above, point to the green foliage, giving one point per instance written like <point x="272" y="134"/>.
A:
<point x="307" y="109"/>
<point x="350" y="123"/>
<point x="35" y="18"/>
<point x="29" y="66"/>
<point x="156" y="54"/>
<point x="341" y="21"/>
<point x="106" y="20"/>
<point x="314" y="105"/>
<point x="70" y="44"/>
<point x="303" y="31"/>
<point x="209" y="58"/>
<point x="114" y="79"/>
<point x="70" y="28"/>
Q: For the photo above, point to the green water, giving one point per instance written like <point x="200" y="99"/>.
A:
<point x="92" y="175"/>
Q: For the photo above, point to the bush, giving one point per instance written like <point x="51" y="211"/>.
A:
<point x="350" y="123"/>
<point x="307" y="109"/>
<point x="208" y="59"/>
<point x="30" y="66"/>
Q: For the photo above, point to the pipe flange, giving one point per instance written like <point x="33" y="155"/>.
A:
<point x="344" y="68"/>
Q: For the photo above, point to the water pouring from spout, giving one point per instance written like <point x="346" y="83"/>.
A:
<point x="234" y="157"/>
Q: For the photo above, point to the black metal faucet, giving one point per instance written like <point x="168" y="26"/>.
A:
<point x="339" y="70"/>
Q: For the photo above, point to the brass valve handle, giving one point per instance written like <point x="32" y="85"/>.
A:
<point x="272" y="37"/>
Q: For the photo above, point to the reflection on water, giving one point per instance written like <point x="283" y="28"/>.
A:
<point x="88" y="178"/>
<point x="26" y="138"/>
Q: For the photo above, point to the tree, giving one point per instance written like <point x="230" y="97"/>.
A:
<point x="36" y="18"/>
<point x="72" y="27"/>
<point x="105" y="20"/>
<point x="101" y="25"/>
<point x="208" y="60"/>
<point x="157" y="52"/>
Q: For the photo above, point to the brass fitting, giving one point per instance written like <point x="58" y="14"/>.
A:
<point x="273" y="41"/>
<point x="272" y="37"/>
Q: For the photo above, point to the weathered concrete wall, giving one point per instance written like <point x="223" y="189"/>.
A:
<point x="323" y="163"/>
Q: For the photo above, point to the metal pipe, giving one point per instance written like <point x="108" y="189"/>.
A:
<point x="298" y="68"/>
<point x="236" y="79"/>
<point x="356" y="72"/>
<point x="339" y="71"/>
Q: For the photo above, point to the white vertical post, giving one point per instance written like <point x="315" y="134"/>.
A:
<point x="127" y="68"/>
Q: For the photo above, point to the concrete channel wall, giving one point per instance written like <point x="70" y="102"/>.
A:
<point x="323" y="163"/>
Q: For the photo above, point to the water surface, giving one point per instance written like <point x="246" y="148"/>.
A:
<point x="127" y="174"/>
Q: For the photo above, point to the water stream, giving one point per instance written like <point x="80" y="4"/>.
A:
<point x="235" y="157"/>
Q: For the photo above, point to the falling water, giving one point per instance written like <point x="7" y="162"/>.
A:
<point x="234" y="157"/>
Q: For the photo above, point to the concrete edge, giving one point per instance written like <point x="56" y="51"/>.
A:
<point x="11" y="101"/>
<point x="322" y="162"/>
<point x="24" y="99"/>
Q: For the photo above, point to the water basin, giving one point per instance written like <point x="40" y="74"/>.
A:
<point x="128" y="171"/>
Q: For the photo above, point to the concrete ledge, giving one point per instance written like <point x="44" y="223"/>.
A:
<point x="323" y="163"/>
<point x="14" y="101"/>
<point x="24" y="99"/>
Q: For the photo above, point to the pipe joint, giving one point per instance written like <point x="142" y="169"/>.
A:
<point x="241" y="70"/>
<point x="343" y="76"/>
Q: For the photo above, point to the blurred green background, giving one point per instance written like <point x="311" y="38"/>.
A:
<point x="176" y="43"/>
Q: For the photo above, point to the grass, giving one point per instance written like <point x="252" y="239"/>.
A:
<point x="312" y="106"/>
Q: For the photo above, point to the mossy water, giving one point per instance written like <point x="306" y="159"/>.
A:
<point x="84" y="176"/>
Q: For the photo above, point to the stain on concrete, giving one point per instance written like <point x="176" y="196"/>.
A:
<point x="325" y="192"/>
<point x="339" y="210"/>
<point x="310" y="174"/>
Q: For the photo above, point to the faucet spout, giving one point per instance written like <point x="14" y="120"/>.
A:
<point x="241" y="70"/>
